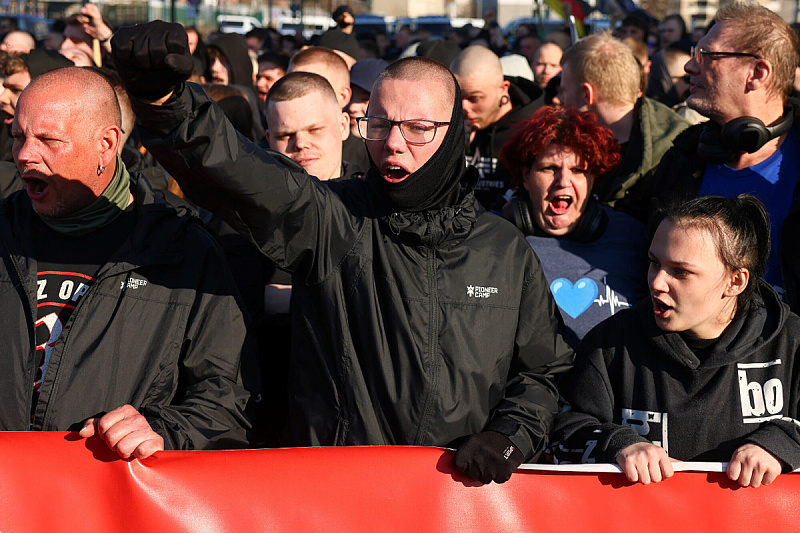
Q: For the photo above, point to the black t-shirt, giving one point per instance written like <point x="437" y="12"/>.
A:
<point x="67" y="268"/>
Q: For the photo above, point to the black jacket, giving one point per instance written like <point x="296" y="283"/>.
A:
<point x="484" y="150"/>
<point x="634" y="382"/>
<point x="409" y="328"/>
<point x="679" y="176"/>
<point x="159" y="329"/>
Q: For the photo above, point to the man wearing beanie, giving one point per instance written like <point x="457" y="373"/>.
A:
<point x="418" y="318"/>
<point x="119" y="314"/>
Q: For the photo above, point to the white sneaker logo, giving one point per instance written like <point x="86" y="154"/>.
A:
<point x="480" y="292"/>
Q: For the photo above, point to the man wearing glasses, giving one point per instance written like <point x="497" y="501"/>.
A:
<point x="741" y="74"/>
<point x="418" y="319"/>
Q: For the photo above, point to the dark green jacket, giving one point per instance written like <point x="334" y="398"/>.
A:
<point x="627" y="188"/>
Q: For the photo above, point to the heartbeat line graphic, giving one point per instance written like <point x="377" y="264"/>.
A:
<point x="611" y="299"/>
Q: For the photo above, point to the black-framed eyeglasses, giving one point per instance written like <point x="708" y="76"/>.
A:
<point x="698" y="54"/>
<point x="415" y="131"/>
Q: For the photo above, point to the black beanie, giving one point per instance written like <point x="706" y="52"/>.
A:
<point x="341" y="41"/>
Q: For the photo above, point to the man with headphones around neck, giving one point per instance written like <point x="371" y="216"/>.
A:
<point x="741" y="74"/>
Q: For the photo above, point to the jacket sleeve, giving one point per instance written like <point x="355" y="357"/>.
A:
<point x="207" y="410"/>
<point x="781" y="436"/>
<point x="584" y="430"/>
<point x="540" y="356"/>
<point x="265" y="197"/>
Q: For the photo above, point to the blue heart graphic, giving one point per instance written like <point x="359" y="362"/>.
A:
<point x="576" y="299"/>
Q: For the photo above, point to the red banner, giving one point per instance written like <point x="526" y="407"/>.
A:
<point x="58" y="482"/>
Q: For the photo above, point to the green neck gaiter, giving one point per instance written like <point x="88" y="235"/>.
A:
<point x="102" y="211"/>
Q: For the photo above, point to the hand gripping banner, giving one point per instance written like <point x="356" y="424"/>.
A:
<point x="59" y="482"/>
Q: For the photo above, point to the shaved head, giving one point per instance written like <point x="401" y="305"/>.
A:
<point x="484" y="91"/>
<point x="327" y="64"/>
<point x="478" y="60"/>
<point x="66" y="135"/>
<point x="92" y="91"/>
<point x="420" y="69"/>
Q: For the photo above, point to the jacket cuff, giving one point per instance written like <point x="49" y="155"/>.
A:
<point x="513" y="431"/>
<point x="621" y="437"/>
<point x="776" y="441"/>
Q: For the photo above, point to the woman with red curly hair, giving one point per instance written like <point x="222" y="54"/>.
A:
<point x="594" y="258"/>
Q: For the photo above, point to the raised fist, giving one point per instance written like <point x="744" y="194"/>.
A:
<point x="152" y="58"/>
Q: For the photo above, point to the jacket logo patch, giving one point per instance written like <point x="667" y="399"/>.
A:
<point x="480" y="292"/>
<point x="133" y="283"/>
<point x="762" y="399"/>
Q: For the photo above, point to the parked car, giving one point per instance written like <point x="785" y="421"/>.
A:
<point x="369" y="24"/>
<point x="237" y="23"/>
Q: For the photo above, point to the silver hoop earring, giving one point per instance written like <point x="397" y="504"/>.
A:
<point x="101" y="170"/>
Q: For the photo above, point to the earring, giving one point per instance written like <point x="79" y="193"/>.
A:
<point x="503" y="100"/>
<point x="101" y="170"/>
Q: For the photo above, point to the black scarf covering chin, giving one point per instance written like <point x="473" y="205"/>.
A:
<point x="436" y="184"/>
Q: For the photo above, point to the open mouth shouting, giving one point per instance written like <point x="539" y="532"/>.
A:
<point x="394" y="173"/>
<point x="560" y="204"/>
<point x="660" y="309"/>
<point x="35" y="187"/>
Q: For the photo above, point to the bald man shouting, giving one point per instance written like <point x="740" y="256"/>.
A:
<point x="491" y="105"/>
<point x="119" y="316"/>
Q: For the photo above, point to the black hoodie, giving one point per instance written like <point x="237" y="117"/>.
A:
<point x="634" y="382"/>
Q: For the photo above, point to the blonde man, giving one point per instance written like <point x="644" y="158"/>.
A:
<point x="600" y="74"/>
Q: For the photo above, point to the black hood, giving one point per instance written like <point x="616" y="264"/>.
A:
<point x="234" y="47"/>
<point x="437" y="183"/>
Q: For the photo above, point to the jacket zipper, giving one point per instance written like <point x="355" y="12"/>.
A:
<point x="432" y="335"/>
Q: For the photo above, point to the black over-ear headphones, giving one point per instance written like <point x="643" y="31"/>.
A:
<point x="740" y="135"/>
<point x="592" y="225"/>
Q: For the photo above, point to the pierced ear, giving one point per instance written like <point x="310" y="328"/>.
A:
<point x="110" y="143"/>
<point x="738" y="282"/>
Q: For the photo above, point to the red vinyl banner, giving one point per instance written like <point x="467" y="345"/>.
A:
<point x="59" y="482"/>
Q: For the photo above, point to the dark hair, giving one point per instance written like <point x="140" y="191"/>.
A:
<point x="679" y="19"/>
<point x="279" y="59"/>
<point x="739" y="226"/>
<point x="567" y="127"/>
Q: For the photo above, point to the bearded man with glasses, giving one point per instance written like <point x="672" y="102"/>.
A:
<point x="418" y="318"/>
<point x="741" y="74"/>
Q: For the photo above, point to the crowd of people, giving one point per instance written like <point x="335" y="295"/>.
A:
<point x="535" y="250"/>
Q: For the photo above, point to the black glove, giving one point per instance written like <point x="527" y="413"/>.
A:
<point x="152" y="58"/>
<point x="487" y="457"/>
